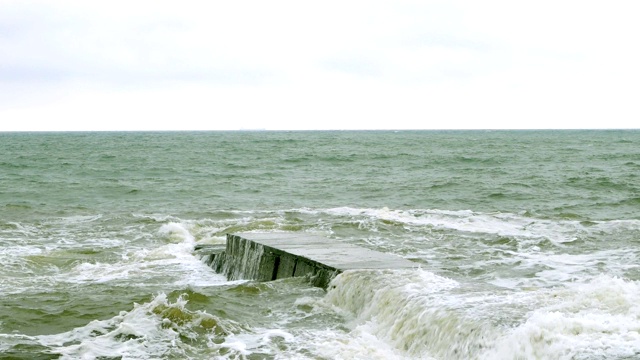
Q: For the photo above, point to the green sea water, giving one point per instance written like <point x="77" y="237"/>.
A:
<point x="527" y="243"/>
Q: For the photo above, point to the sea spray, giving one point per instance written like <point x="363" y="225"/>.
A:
<point x="599" y="319"/>
<point x="424" y="315"/>
<point x="136" y="333"/>
<point x="160" y="328"/>
<point x="402" y="308"/>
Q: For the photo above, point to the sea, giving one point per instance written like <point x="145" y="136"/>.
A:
<point x="527" y="244"/>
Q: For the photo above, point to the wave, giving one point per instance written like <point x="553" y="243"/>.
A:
<point x="502" y="224"/>
<point x="423" y="315"/>
<point x="157" y="329"/>
<point x="117" y="262"/>
<point x="402" y="309"/>
<point x="504" y="249"/>
<point x="595" y="320"/>
<point x="444" y="239"/>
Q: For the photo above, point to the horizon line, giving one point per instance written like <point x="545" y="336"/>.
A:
<point x="310" y="130"/>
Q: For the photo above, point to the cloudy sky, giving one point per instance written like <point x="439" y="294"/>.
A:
<point x="205" y="65"/>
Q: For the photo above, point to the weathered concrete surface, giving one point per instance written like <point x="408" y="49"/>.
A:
<point x="271" y="256"/>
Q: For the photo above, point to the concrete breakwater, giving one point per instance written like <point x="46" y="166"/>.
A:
<point x="271" y="256"/>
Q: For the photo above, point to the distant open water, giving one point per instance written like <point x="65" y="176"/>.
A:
<point x="528" y="243"/>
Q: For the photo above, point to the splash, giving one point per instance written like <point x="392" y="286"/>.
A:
<point x="157" y="329"/>
<point x="422" y="315"/>
<point x="599" y="319"/>
<point x="402" y="308"/>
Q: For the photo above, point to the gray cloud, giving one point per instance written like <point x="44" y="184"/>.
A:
<point x="45" y="45"/>
<point x="339" y="58"/>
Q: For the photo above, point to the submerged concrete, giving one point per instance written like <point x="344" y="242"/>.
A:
<point x="271" y="256"/>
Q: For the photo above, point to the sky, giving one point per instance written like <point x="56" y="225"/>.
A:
<point x="303" y="65"/>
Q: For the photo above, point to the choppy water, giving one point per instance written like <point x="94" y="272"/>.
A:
<point x="527" y="240"/>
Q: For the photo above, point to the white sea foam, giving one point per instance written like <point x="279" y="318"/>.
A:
<point x="358" y="344"/>
<point x="173" y="262"/>
<point x="463" y="220"/>
<point x="401" y="308"/>
<point x="7" y="341"/>
<point x="523" y="227"/>
<point x="179" y="254"/>
<point x="72" y="220"/>
<point x="148" y="331"/>
<point x="541" y="252"/>
<point x="241" y="345"/>
<point x="19" y="251"/>
<point x="96" y="272"/>
<point x="563" y="267"/>
<point x="429" y="316"/>
<point x="160" y="218"/>
<point x="596" y="320"/>
<point x="554" y="312"/>
<point x="502" y="224"/>
<point x="177" y="231"/>
<point x="23" y="229"/>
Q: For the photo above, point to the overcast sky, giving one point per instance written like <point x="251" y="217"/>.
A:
<point x="224" y="65"/>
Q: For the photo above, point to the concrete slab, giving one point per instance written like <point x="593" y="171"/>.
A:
<point x="271" y="256"/>
<point x="330" y="252"/>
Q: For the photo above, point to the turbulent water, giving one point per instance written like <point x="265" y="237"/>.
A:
<point x="528" y="244"/>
